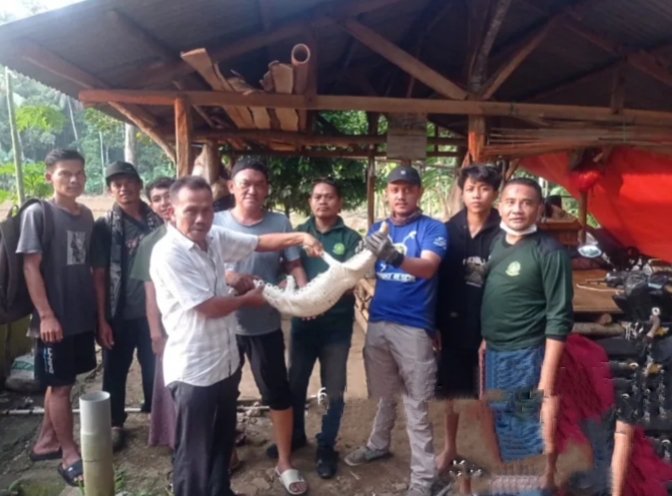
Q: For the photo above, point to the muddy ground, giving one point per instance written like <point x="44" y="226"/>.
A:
<point x="145" y="471"/>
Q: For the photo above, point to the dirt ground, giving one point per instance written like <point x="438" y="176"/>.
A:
<point x="145" y="471"/>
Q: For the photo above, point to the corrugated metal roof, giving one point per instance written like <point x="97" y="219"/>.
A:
<point x="84" y="35"/>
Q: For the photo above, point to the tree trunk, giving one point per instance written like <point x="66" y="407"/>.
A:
<point x="16" y="144"/>
<point x="287" y="210"/>
<point x="129" y="143"/>
<point x="72" y="119"/>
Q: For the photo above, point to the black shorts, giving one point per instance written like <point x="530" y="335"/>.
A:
<point x="59" y="364"/>
<point x="457" y="373"/>
<point x="267" y="361"/>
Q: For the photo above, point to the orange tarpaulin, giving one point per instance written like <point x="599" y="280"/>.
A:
<point x="632" y="199"/>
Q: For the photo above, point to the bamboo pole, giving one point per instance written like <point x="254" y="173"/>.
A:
<point x="583" y="216"/>
<point x="16" y="144"/>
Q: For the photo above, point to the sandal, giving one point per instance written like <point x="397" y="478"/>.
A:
<point x="289" y="477"/>
<point x="72" y="473"/>
<point x="40" y="457"/>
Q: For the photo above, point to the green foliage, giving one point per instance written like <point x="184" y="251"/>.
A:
<point x="292" y="178"/>
<point x="40" y="117"/>
<point x="34" y="183"/>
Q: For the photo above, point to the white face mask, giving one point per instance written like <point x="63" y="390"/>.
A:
<point x="513" y="232"/>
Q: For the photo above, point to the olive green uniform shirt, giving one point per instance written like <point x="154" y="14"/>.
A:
<point x="341" y="243"/>
<point x="528" y="293"/>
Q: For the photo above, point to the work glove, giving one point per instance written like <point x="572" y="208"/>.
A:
<point x="380" y="245"/>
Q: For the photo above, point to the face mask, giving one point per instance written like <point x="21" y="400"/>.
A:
<point x="513" y="232"/>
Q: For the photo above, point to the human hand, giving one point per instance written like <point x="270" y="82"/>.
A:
<point x="105" y="336"/>
<point x="158" y="344"/>
<point x="50" y="330"/>
<point x="312" y="246"/>
<point x="254" y="297"/>
<point x="241" y="283"/>
<point x="381" y="246"/>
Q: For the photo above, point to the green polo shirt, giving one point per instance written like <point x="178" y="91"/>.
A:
<point x="341" y="243"/>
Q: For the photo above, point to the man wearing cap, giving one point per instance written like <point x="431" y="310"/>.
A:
<point x="122" y="319"/>
<point x="260" y="336"/>
<point x="399" y="350"/>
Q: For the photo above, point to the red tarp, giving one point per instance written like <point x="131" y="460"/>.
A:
<point x="632" y="199"/>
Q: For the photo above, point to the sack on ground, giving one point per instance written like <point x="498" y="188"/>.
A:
<point x="22" y="375"/>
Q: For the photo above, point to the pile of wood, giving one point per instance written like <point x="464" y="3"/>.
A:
<point x="281" y="78"/>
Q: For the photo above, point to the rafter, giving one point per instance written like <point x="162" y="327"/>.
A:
<point x="318" y="17"/>
<point x="52" y="63"/>
<point x="640" y="60"/>
<point x="132" y="30"/>
<point x="383" y="105"/>
<point x="507" y="68"/>
<point x="478" y="71"/>
<point x="404" y="60"/>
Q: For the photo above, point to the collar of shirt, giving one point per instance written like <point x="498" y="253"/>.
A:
<point x="185" y="242"/>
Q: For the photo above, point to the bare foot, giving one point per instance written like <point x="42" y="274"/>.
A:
<point x="444" y="460"/>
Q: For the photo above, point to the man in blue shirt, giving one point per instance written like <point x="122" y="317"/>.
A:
<point x="398" y="353"/>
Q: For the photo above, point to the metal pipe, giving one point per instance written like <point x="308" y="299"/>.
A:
<point x="96" y="441"/>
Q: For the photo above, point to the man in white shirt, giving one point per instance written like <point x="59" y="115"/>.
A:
<point x="201" y="360"/>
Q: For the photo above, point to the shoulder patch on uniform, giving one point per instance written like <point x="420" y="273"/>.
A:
<point x="339" y="249"/>
<point x="440" y="242"/>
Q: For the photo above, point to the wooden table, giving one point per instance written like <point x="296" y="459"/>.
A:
<point x="589" y="298"/>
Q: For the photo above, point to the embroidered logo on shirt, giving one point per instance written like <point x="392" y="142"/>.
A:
<point x="440" y="242"/>
<point x="513" y="269"/>
<point x="339" y="249"/>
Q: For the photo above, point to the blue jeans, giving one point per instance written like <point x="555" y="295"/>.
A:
<point x="306" y="347"/>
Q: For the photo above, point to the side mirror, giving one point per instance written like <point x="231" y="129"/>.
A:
<point x="589" y="251"/>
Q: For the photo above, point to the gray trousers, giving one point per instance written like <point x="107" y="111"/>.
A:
<point x="400" y="359"/>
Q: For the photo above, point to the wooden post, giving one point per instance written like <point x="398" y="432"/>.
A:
<point x="583" y="216"/>
<point x="183" y="136"/>
<point x="371" y="171"/>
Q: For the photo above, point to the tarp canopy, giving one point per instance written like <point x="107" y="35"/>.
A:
<point x="632" y="199"/>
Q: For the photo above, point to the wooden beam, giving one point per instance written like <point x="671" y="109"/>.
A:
<point x="506" y="69"/>
<point x="308" y="139"/>
<point x="131" y="29"/>
<point x="183" y="137"/>
<point x="478" y="71"/>
<point x="404" y="60"/>
<point x="318" y="17"/>
<point x="52" y="63"/>
<point x="570" y="82"/>
<point x="363" y="154"/>
<point x="381" y="104"/>
<point x="149" y="131"/>
<point x="618" y="90"/>
<point x="372" y="130"/>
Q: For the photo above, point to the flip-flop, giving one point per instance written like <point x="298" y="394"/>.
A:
<point x="41" y="457"/>
<point x="289" y="477"/>
<point x="72" y="473"/>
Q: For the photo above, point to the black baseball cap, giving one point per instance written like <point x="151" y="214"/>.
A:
<point x="404" y="173"/>
<point x="120" y="168"/>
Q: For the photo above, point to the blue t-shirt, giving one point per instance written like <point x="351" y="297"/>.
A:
<point x="400" y="297"/>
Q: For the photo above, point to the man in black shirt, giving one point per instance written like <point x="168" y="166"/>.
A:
<point x="470" y="233"/>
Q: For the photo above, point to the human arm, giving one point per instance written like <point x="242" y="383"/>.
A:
<point x="100" y="256"/>
<point x="154" y="318"/>
<point x="30" y="246"/>
<point x="433" y="248"/>
<point x="176" y="274"/>
<point x="559" y="291"/>
<point x="280" y="241"/>
<point x="295" y="269"/>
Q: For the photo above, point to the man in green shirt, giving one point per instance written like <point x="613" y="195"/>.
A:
<point x="162" y="423"/>
<point x="326" y="337"/>
<point x="526" y="316"/>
